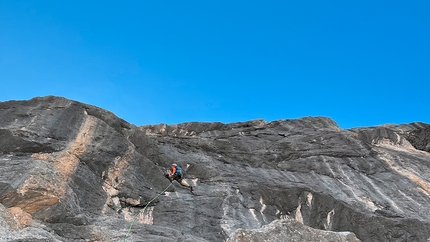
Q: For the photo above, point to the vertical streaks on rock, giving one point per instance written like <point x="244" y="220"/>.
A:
<point x="67" y="160"/>
<point x="39" y="192"/>
<point x="114" y="180"/>
<point x="83" y="174"/>
<point x="146" y="217"/>
<point x="411" y="174"/>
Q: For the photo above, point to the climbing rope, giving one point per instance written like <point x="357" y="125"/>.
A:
<point x="143" y="209"/>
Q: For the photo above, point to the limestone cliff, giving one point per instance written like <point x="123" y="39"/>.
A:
<point x="74" y="172"/>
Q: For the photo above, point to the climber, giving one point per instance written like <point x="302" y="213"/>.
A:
<point x="175" y="173"/>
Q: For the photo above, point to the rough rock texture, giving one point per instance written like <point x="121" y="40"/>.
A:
<point x="290" y="230"/>
<point x="74" y="172"/>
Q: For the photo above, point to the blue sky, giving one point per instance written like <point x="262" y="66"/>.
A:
<point x="361" y="63"/>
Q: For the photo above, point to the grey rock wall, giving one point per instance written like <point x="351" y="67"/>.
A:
<point x="74" y="172"/>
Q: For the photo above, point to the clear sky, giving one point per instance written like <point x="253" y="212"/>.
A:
<point x="361" y="63"/>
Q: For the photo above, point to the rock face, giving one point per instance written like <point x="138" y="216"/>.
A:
<point x="74" y="172"/>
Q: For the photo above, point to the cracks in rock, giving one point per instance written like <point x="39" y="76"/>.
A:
<point x="55" y="188"/>
<point x="113" y="180"/>
<point x="408" y="172"/>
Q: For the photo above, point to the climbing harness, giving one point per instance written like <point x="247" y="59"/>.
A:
<point x="143" y="209"/>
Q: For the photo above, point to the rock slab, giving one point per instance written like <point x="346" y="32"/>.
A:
<point x="74" y="172"/>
